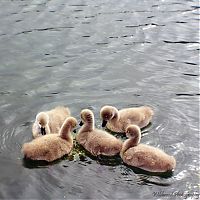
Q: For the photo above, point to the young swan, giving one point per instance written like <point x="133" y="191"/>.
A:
<point x="144" y="156"/>
<point x="117" y="121"/>
<point x="52" y="146"/>
<point x="96" y="141"/>
<point x="49" y="121"/>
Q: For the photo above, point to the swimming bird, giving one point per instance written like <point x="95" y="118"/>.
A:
<point x="50" y="147"/>
<point x="49" y="121"/>
<point x="117" y="121"/>
<point x="144" y="156"/>
<point x="96" y="141"/>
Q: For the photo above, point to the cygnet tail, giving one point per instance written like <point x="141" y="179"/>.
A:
<point x="149" y="112"/>
<point x="173" y="163"/>
<point x="63" y="109"/>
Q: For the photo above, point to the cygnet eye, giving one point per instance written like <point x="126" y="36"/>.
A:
<point x="107" y="117"/>
<point x="40" y="125"/>
<point x="132" y="134"/>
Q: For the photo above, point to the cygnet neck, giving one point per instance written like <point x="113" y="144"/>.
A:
<point x="65" y="131"/>
<point x="130" y="142"/>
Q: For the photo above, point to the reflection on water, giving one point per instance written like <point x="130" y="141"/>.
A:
<point x="85" y="54"/>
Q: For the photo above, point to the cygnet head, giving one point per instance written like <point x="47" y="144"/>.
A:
<point x="68" y="125"/>
<point x="87" y="120"/>
<point x="87" y="116"/>
<point x="107" y="113"/>
<point x="134" y="132"/>
<point x="42" y="120"/>
<point x="71" y="121"/>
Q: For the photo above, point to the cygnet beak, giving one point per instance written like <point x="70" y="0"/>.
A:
<point x="74" y="131"/>
<point x="81" y="123"/>
<point x="43" y="132"/>
<point x="104" y="123"/>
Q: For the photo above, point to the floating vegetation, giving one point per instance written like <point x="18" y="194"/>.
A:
<point x="77" y="153"/>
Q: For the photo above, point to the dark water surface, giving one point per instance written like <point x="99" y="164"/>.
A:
<point x="85" y="54"/>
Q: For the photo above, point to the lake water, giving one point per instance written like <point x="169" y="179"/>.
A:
<point x="85" y="54"/>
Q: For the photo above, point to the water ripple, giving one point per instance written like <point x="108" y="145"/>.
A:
<point x="45" y="29"/>
<point x="187" y="74"/>
<point x="180" y="42"/>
